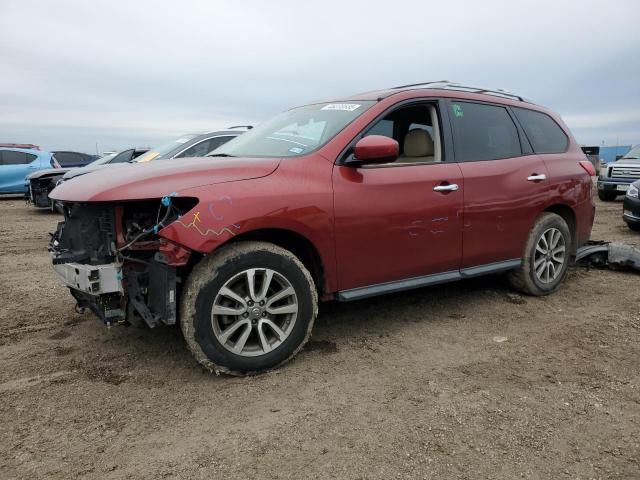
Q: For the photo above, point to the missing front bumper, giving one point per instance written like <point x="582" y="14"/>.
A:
<point x="91" y="279"/>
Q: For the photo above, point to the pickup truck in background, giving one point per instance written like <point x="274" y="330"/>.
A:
<point x="615" y="177"/>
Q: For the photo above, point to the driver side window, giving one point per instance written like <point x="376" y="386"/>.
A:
<point x="415" y="128"/>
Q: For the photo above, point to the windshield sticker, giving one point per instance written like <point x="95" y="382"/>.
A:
<point x="346" y="107"/>
<point x="296" y="150"/>
<point x="457" y="110"/>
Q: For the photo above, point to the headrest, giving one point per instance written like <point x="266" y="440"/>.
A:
<point x="418" y="143"/>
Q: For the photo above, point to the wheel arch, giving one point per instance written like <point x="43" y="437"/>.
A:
<point x="296" y="243"/>
<point x="568" y="215"/>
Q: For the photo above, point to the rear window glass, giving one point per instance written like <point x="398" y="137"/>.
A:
<point x="543" y="132"/>
<point x="483" y="132"/>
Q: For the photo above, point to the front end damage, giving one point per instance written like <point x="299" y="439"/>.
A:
<point x="114" y="262"/>
<point x="39" y="188"/>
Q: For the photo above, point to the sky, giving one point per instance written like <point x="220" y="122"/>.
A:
<point x="99" y="75"/>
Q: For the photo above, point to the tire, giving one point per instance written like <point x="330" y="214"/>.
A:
<point x="607" y="196"/>
<point x="207" y="331"/>
<point x="525" y="279"/>
<point x="634" y="226"/>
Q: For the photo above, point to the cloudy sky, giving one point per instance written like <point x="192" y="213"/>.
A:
<point x="76" y="73"/>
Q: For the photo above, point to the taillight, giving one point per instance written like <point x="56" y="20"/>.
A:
<point x="588" y="166"/>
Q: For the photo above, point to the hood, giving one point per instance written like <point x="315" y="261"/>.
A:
<point x="49" y="172"/>
<point x="140" y="181"/>
<point x="75" y="172"/>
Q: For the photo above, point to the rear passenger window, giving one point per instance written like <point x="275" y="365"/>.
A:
<point x="9" y="157"/>
<point x="66" y="158"/>
<point x="543" y="132"/>
<point x="483" y="132"/>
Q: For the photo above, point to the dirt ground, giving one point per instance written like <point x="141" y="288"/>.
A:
<point x="466" y="380"/>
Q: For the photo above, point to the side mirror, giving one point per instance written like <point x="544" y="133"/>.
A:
<point x="375" y="149"/>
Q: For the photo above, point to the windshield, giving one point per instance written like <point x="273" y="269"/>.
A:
<point x="164" y="148"/>
<point x="633" y="153"/>
<point x="102" y="160"/>
<point x="294" y="132"/>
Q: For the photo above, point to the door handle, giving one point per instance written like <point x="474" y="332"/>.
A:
<point x="536" y="178"/>
<point x="451" y="187"/>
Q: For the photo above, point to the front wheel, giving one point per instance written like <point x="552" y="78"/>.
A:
<point x="546" y="257"/>
<point x="248" y="308"/>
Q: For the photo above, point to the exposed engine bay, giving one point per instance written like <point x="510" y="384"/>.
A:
<point x="115" y="264"/>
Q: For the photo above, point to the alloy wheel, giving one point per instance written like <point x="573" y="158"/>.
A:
<point x="549" y="255"/>
<point x="254" y="312"/>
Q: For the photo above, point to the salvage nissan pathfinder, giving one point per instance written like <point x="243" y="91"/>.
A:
<point x="375" y="193"/>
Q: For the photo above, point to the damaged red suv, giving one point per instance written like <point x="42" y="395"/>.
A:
<point x="371" y="194"/>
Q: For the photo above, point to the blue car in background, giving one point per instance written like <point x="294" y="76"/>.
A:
<point x="17" y="163"/>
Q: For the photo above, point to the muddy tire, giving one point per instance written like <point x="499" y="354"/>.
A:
<point x="248" y="308"/>
<point x="546" y="257"/>
<point x="634" y="226"/>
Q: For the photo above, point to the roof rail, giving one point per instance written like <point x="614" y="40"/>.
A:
<point x="447" y="85"/>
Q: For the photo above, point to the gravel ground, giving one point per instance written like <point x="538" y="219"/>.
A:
<point x="467" y="380"/>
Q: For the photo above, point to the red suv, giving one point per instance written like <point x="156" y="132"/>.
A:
<point x="375" y="193"/>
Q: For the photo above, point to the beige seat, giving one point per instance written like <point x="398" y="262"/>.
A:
<point x="417" y="147"/>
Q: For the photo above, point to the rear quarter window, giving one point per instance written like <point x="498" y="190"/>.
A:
<point x="67" y="158"/>
<point x="543" y="132"/>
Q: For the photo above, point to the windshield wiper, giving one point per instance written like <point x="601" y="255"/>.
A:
<point x="220" y="155"/>
<point x="630" y="158"/>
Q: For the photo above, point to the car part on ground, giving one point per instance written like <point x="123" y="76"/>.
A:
<point x="631" y="207"/>
<point x="617" y="256"/>
<point x="615" y="177"/>
<point x="381" y="192"/>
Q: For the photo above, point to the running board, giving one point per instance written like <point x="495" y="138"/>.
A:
<point x="426" y="280"/>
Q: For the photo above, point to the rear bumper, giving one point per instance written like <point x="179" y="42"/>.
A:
<point x="631" y="210"/>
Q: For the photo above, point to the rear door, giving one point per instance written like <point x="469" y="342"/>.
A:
<point x="14" y="167"/>
<point x="505" y="184"/>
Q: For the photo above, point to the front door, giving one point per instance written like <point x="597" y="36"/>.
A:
<point x="403" y="219"/>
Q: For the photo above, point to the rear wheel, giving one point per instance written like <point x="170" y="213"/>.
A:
<point x="248" y="308"/>
<point x="546" y="257"/>
<point x="607" y="196"/>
